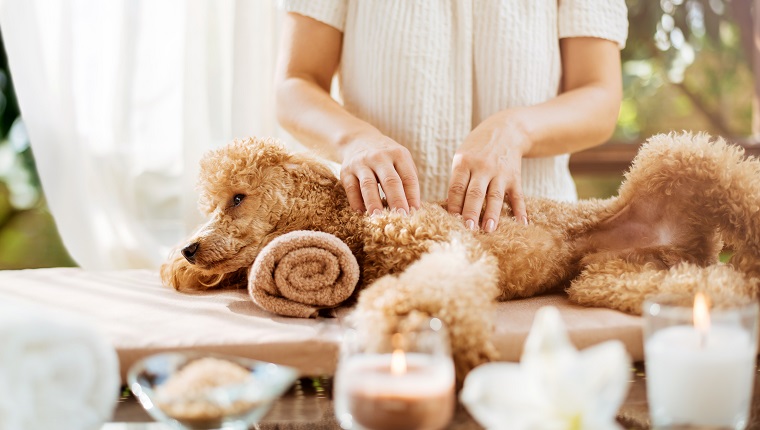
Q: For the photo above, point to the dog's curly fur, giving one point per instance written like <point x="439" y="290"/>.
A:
<point x="684" y="195"/>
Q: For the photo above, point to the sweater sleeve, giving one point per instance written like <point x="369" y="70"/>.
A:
<point x="605" y="19"/>
<point x="330" y="12"/>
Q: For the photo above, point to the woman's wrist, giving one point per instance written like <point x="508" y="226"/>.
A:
<point x="510" y="129"/>
<point x="347" y="138"/>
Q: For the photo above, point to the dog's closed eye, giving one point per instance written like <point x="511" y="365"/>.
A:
<point x="237" y="199"/>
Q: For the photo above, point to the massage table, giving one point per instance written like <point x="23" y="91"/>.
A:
<point x="140" y="317"/>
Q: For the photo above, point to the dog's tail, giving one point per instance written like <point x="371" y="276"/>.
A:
<point x="451" y="283"/>
<point x="712" y="182"/>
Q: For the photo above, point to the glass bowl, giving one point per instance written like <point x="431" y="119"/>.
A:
<point x="190" y="390"/>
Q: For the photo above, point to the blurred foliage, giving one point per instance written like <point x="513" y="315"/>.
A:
<point x="685" y="67"/>
<point x="28" y="236"/>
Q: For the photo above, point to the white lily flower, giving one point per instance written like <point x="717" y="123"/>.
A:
<point x="554" y="386"/>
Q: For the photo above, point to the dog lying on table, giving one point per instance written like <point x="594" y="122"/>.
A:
<point x="684" y="197"/>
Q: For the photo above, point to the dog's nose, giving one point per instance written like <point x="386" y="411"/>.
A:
<point x="189" y="252"/>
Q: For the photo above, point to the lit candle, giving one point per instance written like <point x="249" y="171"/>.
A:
<point x="699" y="373"/>
<point x="413" y="392"/>
<point x="400" y="390"/>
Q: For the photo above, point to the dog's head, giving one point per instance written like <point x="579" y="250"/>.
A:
<point x="246" y="188"/>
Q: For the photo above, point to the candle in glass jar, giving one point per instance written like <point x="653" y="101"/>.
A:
<point x="382" y="394"/>
<point x="700" y="374"/>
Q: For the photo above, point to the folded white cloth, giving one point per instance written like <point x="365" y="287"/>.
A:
<point x="55" y="371"/>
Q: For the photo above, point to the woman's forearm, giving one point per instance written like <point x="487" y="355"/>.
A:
<point x="585" y="112"/>
<point x="487" y="166"/>
<point x="310" y="52"/>
<point x="309" y="57"/>
<point x="571" y="122"/>
<point x="306" y="111"/>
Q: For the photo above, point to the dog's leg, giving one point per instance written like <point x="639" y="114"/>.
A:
<point x="623" y="285"/>
<point x="446" y="284"/>
<point x="705" y="187"/>
<point x="683" y="197"/>
<point x="531" y="259"/>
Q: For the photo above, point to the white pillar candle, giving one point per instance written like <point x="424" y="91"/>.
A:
<point x="700" y="364"/>
<point x="701" y="378"/>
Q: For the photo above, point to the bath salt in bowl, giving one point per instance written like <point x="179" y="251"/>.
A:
<point x="203" y="391"/>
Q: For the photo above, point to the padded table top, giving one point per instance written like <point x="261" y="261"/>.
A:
<point x="140" y="317"/>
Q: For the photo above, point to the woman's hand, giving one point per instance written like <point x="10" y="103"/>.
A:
<point x="309" y="58"/>
<point x="486" y="169"/>
<point x="369" y="160"/>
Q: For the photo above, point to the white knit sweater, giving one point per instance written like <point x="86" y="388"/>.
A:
<point x="426" y="72"/>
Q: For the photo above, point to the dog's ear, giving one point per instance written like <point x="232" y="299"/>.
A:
<point x="271" y="152"/>
<point x="267" y="152"/>
<point x="306" y="165"/>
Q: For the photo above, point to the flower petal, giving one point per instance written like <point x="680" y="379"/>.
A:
<point x="500" y="396"/>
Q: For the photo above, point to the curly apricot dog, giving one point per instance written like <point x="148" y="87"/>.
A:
<point x="683" y="197"/>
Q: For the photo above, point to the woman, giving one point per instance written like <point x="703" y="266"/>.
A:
<point x="474" y="101"/>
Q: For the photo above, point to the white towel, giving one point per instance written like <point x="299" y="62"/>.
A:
<point x="55" y="371"/>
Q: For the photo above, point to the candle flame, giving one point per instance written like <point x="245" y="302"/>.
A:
<point x="701" y="313"/>
<point x="398" y="362"/>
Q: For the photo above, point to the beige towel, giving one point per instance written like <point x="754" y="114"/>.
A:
<point x="301" y="272"/>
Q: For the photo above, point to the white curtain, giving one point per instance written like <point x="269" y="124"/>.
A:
<point x="122" y="97"/>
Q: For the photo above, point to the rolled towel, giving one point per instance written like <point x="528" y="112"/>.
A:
<point x="301" y="272"/>
<point x="55" y="372"/>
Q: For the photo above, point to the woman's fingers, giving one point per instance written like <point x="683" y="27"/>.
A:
<point x="407" y="172"/>
<point x="460" y="179"/>
<point x="494" y="204"/>
<point x="385" y="163"/>
<point x="370" y="192"/>
<point x="473" y="201"/>
<point x="393" y="189"/>
<point x="353" y="191"/>
<point x="472" y="191"/>
<point x="486" y="170"/>
<point x="517" y="202"/>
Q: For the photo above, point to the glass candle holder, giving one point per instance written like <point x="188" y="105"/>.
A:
<point x="700" y="360"/>
<point x="405" y="382"/>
